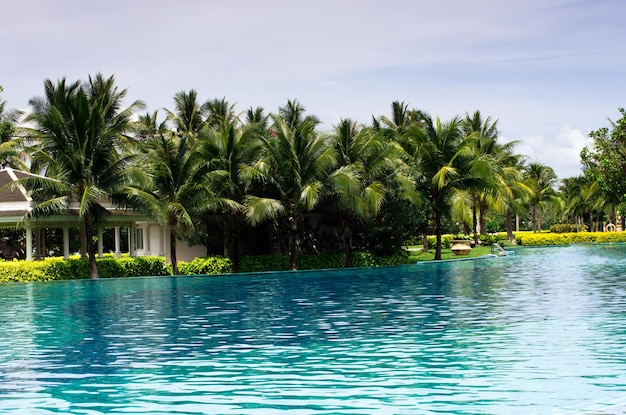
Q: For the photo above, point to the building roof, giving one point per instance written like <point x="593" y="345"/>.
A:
<point x="15" y="202"/>
<point x="13" y="194"/>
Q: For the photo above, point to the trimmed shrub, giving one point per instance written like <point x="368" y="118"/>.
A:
<point x="206" y="265"/>
<point x="446" y="240"/>
<point x="541" y="239"/>
<point x="78" y="268"/>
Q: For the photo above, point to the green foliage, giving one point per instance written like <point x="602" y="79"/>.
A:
<point x="21" y="271"/>
<point x="206" y="265"/>
<point x="605" y="162"/>
<point x="78" y="268"/>
<point x="446" y="240"/>
<point x="542" y="239"/>
<point x="262" y="263"/>
<point x="488" y="239"/>
<point x="567" y="227"/>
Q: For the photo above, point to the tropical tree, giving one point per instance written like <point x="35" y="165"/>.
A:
<point x="188" y="115"/>
<point x="436" y="149"/>
<point x="220" y="113"/>
<point x="605" y="162"/>
<point x="541" y="180"/>
<point x="492" y="166"/>
<point x="356" y="194"/>
<point x="295" y="164"/>
<point x="176" y="187"/>
<point x="230" y="153"/>
<point x="10" y="145"/>
<point x="77" y="128"/>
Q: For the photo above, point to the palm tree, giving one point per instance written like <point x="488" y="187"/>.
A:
<point x="296" y="162"/>
<point x="436" y="149"/>
<point x="229" y="153"/>
<point x="188" y="115"/>
<point x="176" y="173"/>
<point x="219" y="113"/>
<point x="541" y="180"/>
<point x="10" y="145"/>
<point x="77" y="128"/>
<point x="357" y="194"/>
<point x="491" y="167"/>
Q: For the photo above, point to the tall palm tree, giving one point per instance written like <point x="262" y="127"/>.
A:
<point x="357" y="194"/>
<point x="10" y="144"/>
<point x="296" y="162"/>
<point x="491" y="165"/>
<point x="230" y="154"/>
<point x="541" y="180"/>
<point x="188" y="115"/>
<point x="176" y="173"/>
<point x="436" y="149"/>
<point x="77" y="128"/>
<point x="219" y="113"/>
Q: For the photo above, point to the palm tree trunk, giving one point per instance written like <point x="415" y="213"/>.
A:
<point x="481" y="217"/>
<point x="235" y="243"/>
<point x="91" y="247"/>
<point x="173" y="258"/>
<point x="293" y="234"/>
<point x="347" y="241"/>
<point x="438" y="234"/>
<point x="475" y="222"/>
<point x="509" y="225"/>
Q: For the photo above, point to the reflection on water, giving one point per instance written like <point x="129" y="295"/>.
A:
<point x="540" y="332"/>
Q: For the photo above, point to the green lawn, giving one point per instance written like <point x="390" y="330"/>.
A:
<point x="416" y="254"/>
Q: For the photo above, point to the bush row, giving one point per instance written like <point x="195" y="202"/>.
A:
<point x="109" y="267"/>
<point x="539" y="239"/>
<point x="567" y="228"/>
<point x="78" y="268"/>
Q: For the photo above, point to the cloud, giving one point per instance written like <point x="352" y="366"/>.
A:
<point x="561" y="151"/>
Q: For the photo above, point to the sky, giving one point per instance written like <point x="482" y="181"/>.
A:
<point x="549" y="71"/>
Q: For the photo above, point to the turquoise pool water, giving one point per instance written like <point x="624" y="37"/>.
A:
<point x="543" y="331"/>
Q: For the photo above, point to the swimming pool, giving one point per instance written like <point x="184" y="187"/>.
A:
<point x="543" y="331"/>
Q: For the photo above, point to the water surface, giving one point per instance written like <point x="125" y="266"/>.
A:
<point x="541" y="332"/>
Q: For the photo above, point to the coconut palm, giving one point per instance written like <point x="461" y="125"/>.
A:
<point x="541" y="180"/>
<point x="436" y="149"/>
<point x="295" y="164"/>
<point x="77" y="128"/>
<point x="229" y="153"/>
<point x="219" y="113"/>
<point x="188" y="115"/>
<point x="10" y="144"/>
<point x="176" y="173"/>
<point x="491" y="168"/>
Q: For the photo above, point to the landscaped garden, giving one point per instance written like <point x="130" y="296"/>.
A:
<point x="262" y="191"/>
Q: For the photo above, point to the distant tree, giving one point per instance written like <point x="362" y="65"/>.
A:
<point x="10" y="144"/>
<point x="295" y="163"/>
<point x="436" y="150"/>
<point x="605" y="162"/>
<point x="541" y="180"/>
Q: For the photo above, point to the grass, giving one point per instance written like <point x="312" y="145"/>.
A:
<point x="416" y="254"/>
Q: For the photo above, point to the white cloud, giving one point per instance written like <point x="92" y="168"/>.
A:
<point x="561" y="152"/>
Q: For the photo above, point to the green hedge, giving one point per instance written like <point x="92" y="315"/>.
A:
<point x="539" y="239"/>
<point x="205" y="265"/>
<point x="78" y="268"/>
<point x="567" y="228"/>
<point x="109" y="267"/>
<point x="279" y="262"/>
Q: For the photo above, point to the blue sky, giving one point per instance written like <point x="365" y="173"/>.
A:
<point x="549" y="70"/>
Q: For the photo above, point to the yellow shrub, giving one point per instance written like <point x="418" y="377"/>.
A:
<point x="539" y="239"/>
